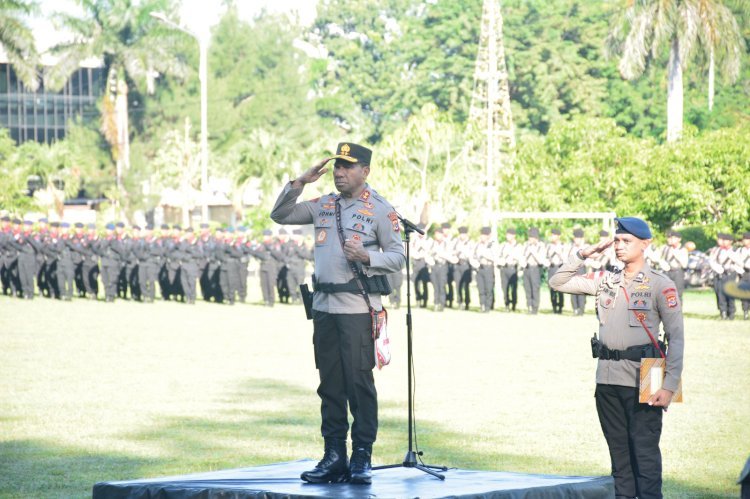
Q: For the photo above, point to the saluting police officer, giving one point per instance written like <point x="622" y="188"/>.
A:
<point x="345" y="225"/>
<point x="630" y="305"/>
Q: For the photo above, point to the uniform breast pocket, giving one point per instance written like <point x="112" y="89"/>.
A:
<point x="640" y="310"/>
<point x="360" y="231"/>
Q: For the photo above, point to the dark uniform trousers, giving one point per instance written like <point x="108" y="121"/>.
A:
<point x="532" y="281"/>
<point x="110" y="276"/>
<point x="268" y="283"/>
<point x="421" y="276"/>
<point x="65" y="278"/>
<point x="556" y="297"/>
<point x="439" y="278"/>
<point x="90" y="271"/>
<point x="188" y="277"/>
<point x="632" y="431"/>
<point x="344" y="357"/>
<point x="724" y="302"/>
<point x="509" y="282"/>
<point x="296" y="276"/>
<point x="579" y="301"/>
<point x="462" y="276"/>
<point x="678" y="276"/>
<point x="396" y="280"/>
<point x="242" y="274"/>
<point x="486" y="286"/>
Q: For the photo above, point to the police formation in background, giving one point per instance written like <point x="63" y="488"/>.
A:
<point x="39" y="258"/>
<point x="59" y="261"/>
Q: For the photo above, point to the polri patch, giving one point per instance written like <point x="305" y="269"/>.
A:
<point x="393" y="217"/>
<point x="672" y="300"/>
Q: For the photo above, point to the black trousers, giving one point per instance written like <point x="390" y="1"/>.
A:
<point x="439" y="278"/>
<point x="486" y="286"/>
<point x="344" y="357"/>
<point x="509" y="283"/>
<point x="556" y="297"/>
<point x="420" y="274"/>
<point x="678" y="277"/>
<point x="462" y="277"/>
<point x="632" y="431"/>
<point x="724" y="302"/>
<point x="532" y="282"/>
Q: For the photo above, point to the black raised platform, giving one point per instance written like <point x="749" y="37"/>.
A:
<point x="282" y="481"/>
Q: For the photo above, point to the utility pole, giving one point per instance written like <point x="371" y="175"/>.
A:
<point x="490" y="105"/>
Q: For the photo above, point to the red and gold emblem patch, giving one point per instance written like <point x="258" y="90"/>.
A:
<point x="393" y="217"/>
<point x="356" y="237"/>
<point x="672" y="300"/>
<point x="365" y="196"/>
<point x="322" y="235"/>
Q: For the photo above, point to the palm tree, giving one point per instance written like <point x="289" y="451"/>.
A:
<point x="721" y="39"/>
<point x="133" y="47"/>
<point x="17" y="40"/>
<point x="645" y="26"/>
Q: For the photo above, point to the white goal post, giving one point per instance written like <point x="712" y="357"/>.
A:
<point x="607" y="217"/>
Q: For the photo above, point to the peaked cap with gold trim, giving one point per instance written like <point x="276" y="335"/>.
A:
<point x="353" y="153"/>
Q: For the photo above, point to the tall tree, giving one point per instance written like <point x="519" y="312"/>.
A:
<point x="644" y="27"/>
<point x="17" y="40"/>
<point x="721" y="41"/>
<point x="133" y="48"/>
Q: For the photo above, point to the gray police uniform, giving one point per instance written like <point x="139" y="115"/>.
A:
<point x="632" y="430"/>
<point x="342" y="337"/>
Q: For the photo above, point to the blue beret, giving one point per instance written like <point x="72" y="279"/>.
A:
<point x="120" y="224"/>
<point x="632" y="225"/>
<point x="267" y="232"/>
<point x="91" y="226"/>
<point x="65" y="225"/>
<point x="230" y="229"/>
<point x="43" y="220"/>
<point x="242" y="228"/>
<point x="28" y="222"/>
<point x="78" y="225"/>
<point x="110" y="226"/>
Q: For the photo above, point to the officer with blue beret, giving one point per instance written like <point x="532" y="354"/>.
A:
<point x="631" y="305"/>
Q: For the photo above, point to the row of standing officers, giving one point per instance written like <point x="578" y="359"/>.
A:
<point x="61" y="262"/>
<point x="132" y="262"/>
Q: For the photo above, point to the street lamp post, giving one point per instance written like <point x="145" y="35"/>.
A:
<point x="203" y="76"/>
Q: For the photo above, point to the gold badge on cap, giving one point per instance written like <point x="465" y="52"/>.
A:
<point x="345" y="149"/>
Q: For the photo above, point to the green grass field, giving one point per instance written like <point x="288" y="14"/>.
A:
<point x="95" y="392"/>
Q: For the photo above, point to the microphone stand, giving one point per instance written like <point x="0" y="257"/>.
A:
<point x="410" y="459"/>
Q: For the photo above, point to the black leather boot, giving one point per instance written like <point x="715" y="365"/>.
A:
<point x="333" y="468"/>
<point x="360" y="468"/>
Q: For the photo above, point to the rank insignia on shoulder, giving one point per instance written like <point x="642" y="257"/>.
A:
<point x="365" y="196"/>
